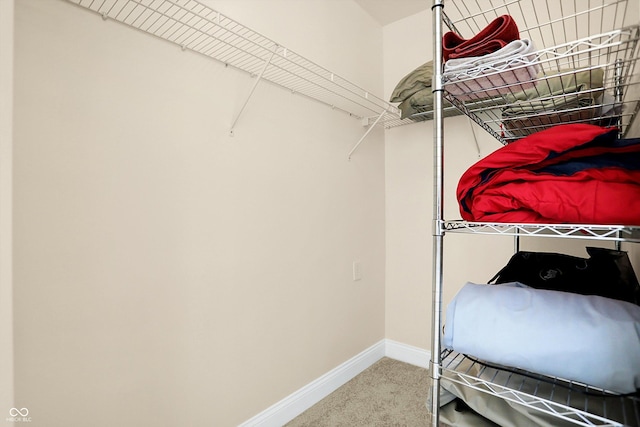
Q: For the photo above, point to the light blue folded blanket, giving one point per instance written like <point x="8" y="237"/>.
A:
<point x="584" y="338"/>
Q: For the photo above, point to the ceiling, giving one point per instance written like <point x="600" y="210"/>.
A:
<point x="388" y="11"/>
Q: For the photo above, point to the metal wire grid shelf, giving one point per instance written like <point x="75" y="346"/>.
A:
<point x="569" y="87"/>
<point x="195" y="27"/>
<point x="618" y="233"/>
<point x="586" y="38"/>
<point x="573" y="40"/>
<point x="570" y="401"/>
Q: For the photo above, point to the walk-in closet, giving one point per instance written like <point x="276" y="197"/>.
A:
<point x="219" y="212"/>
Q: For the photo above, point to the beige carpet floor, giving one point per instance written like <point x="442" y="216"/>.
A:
<point x="387" y="394"/>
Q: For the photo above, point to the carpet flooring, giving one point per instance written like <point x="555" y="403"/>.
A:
<point x="389" y="393"/>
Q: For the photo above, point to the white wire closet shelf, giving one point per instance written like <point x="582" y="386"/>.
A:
<point x="196" y="27"/>
<point x="578" y="67"/>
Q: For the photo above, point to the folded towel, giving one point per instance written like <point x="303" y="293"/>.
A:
<point x="418" y="79"/>
<point x="565" y="81"/>
<point x="521" y="122"/>
<point x="510" y="69"/>
<point x="494" y="36"/>
<point x="415" y="95"/>
<point x="422" y="101"/>
<point x="568" y="98"/>
<point x="498" y="58"/>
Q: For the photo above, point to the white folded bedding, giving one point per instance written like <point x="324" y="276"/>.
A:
<point x="498" y="59"/>
<point x="509" y="70"/>
<point x="583" y="338"/>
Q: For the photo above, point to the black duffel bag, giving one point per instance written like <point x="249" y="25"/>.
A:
<point x="607" y="273"/>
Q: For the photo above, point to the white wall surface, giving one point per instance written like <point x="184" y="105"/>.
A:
<point x="6" y="206"/>
<point x="165" y="273"/>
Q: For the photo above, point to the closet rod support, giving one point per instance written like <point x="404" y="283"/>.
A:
<point x="253" y="88"/>
<point x="355" y="147"/>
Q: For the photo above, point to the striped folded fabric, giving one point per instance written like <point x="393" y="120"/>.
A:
<point x="506" y="71"/>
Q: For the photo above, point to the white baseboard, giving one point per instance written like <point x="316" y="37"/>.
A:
<point x="407" y="353"/>
<point x="301" y="400"/>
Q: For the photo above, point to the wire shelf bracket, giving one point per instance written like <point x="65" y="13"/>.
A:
<point x="253" y="88"/>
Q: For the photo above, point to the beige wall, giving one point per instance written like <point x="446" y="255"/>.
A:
<point x="6" y="205"/>
<point x="165" y="273"/>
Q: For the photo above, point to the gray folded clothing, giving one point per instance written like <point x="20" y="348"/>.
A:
<point x="415" y="81"/>
<point x="564" y="82"/>
<point x="524" y="120"/>
<point x="564" y="98"/>
<point x="422" y="101"/>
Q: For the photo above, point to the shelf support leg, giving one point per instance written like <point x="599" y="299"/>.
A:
<point x="438" y="213"/>
<point x="253" y="88"/>
<point x="618" y="96"/>
<point x="355" y="147"/>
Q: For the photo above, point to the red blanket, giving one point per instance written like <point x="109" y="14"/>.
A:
<point x="575" y="173"/>
<point x="493" y="37"/>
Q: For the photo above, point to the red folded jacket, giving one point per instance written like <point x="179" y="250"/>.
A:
<point x="500" y="32"/>
<point x="572" y="173"/>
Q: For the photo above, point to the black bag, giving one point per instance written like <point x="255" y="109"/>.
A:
<point x="606" y="273"/>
